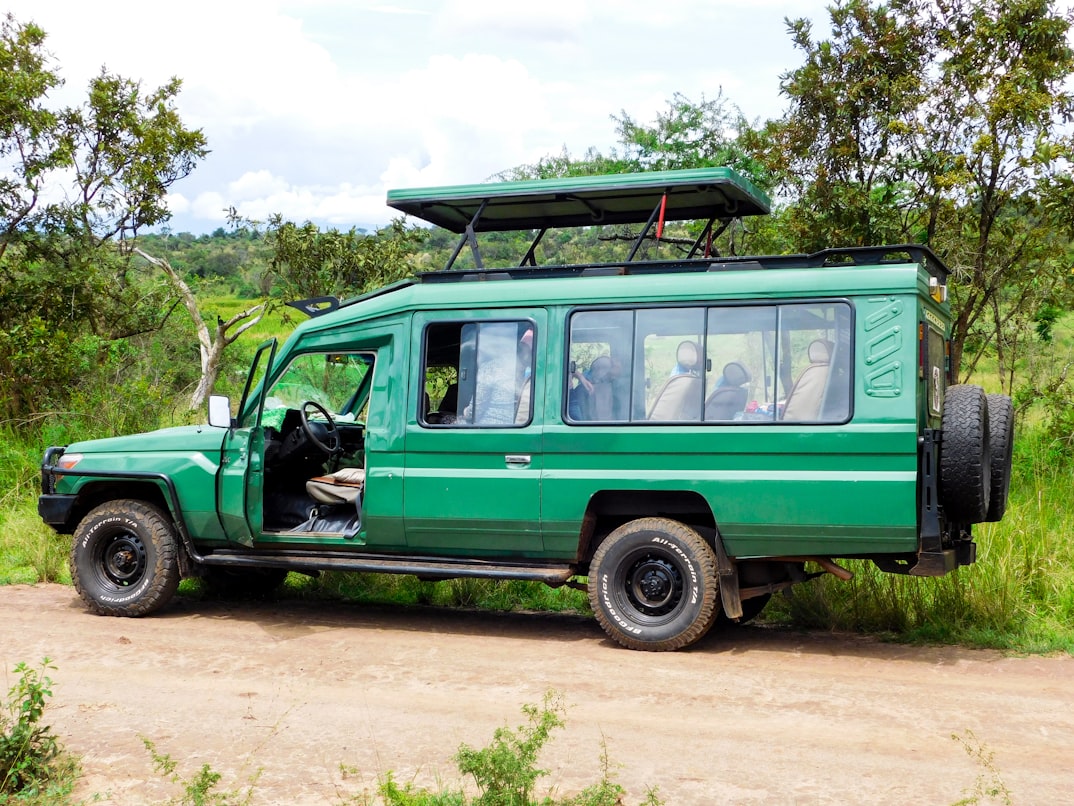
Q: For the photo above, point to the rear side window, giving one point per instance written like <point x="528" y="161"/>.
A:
<point x="714" y="364"/>
<point x="478" y="374"/>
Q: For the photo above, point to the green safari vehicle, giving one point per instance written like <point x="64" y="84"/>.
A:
<point x="681" y="437"/>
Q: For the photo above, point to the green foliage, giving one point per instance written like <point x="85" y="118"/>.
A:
<point x="410" y="795"/>
<point x="200" y="789"/>
<point x="310" y="263"/>
<point x="67" y="291"/>
<point x="505" y="770"/>
<point x="231" y="263"/>
<point x="33" y="765"/>
<point x="939" y="123"/>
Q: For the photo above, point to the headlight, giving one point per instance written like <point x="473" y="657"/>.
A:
<point x="67" y="461"/>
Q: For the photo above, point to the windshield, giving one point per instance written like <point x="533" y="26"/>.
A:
<point x="337" y="381"/>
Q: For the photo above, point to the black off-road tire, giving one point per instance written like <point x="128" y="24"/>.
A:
<point x="965" y="456"/>
<point x="1001" y="439"/>
<point x="653" y="585"/>
<point x="124" y="559"/>
<point x="230" y="582"/>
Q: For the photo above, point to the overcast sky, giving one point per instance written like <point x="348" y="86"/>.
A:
<point x="314" y="109"/>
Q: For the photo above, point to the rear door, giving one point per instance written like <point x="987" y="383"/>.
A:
<point x="472" y="481"/>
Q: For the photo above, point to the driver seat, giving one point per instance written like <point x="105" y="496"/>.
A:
<point x="344" y="486"/>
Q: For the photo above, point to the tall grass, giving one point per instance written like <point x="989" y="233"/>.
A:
<point x="29" y="550"/>
<point x="479" y="594"/>
<point x="1018" y="595"/>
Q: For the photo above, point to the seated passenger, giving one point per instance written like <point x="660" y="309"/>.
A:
<point x="591" y="397"/>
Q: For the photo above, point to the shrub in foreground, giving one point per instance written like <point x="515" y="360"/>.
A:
<point x="33" y="765"/>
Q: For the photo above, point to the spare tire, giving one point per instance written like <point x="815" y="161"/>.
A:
<point x="1001" y="439"/>
<point x="965" y="458"/>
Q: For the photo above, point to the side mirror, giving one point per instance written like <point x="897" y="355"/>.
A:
<point x="219" y="411"/>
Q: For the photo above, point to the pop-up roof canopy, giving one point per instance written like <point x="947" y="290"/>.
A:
<point x="581" y="201"/>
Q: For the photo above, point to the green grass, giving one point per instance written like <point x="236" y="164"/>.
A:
<point x="480" y="594"/>
<point x="1018" y="596"/>
<point x="29" y="550"/>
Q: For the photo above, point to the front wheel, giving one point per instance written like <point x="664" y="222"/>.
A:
<point x="653" y="585"/>
<point x="124" y="560"/>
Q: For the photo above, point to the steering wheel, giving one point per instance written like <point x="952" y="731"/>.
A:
<point x="331" y="443"/>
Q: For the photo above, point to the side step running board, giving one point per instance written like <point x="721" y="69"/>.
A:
<point x="423" y="567"/>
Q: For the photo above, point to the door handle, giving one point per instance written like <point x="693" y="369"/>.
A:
<point x="518" y="458"/>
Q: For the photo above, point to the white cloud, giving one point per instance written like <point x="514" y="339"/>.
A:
<point x="313" y="108"/>
<point x="255" y="184"/>
<point x="211" y="207"/>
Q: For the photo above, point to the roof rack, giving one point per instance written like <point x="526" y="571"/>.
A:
<point x="839" y="256"/>
<point x="715" y="194"/>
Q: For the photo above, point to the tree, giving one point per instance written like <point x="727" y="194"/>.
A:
<point x="941" y="123"/>
<point x="311" y="263"/>
<point x="30" y="133"/>
<point x="66" y="291"/>
<point x="210" y="347"/>
<point x="711" y="132"/>
<point x="839" y="151"/>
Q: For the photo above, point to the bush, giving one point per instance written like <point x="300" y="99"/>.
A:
<point x="33" y="765"/>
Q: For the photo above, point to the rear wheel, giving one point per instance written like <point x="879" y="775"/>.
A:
<point x="124" y="559"/>
<point x="965" y="457"/>
<point x="653" y="585"/>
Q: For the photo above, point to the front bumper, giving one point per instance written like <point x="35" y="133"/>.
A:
<point x="55" y="510"/>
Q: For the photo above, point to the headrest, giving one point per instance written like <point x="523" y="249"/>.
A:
<point x="688" y="355"/>
<point x="820" y="351"/>
<point x="735" y="374"/>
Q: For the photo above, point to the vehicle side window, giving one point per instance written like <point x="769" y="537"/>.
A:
<point x="598" y="382"/>
<point x="478" y="374"/>
<point x="672" y="358"/>
<point x="740" y="377"/>
<point x="721" y="364"/>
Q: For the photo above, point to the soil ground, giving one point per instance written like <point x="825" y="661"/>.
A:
<point x="756" y="715"/>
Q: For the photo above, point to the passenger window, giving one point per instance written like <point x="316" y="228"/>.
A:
<point x="725" y="364"/>
<point x="478" y="374"/>
<point x="741" y="369"/>
<point x="598" y="376"/>
<point x="673" y="346"/>
<point x="815" y="362"/>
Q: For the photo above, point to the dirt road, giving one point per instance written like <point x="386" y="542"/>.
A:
<point x="758" y="716"/>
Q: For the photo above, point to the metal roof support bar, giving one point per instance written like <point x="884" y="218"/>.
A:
<point x="531" y="257"/>
<point x="645" y="231"/>
<point x="468" y="235"/>
<point x="701" y="237"/>
<point x="708" y="228"/>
